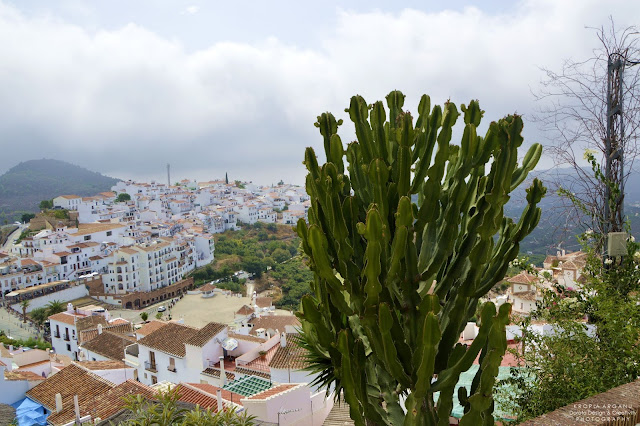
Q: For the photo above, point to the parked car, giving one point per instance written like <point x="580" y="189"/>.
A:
<point x="162" y="308"/>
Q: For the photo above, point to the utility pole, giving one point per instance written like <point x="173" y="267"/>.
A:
<point x="614" y="156"/>
<point x="614" y="143"/>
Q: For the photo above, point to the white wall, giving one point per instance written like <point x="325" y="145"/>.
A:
<point x="13" y="390"/>
<point x="65" y="295"/>
<point x="162" y="362"/>
<point x="116" y="375"/>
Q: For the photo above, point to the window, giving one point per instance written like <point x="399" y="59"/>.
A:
<point x="109" y="233"/>
<point x="69" y="347"/>
<point x="87" y="237"/>
<point x="154" y="380"/>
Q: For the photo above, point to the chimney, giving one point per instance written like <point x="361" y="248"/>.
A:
<point x="99" y="328"/>
<point x="219" y="395"/>
<point x="223" y="374"/>
<point x="69" y="307"/>
<point x="76" y="407"/>
<point x="558" y="253"/>
<point x="283" y="340"/>
<point x="563" y="252"/>
<point x="58" y="403"/>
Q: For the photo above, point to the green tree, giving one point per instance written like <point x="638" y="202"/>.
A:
<point x="26" y="217"/>
<point x="254" y="265"/>
<point x="55" y="307"/>
<point x="395" y="282"/>
<point x="280" y="255"/>
<point x="144" y="315"/>
<point x="579" y="359"/>
<point x="122" y="197"/>
<point x="158" y="315"/>
<point x="39" y="315"/>
<point x="24" y="305"/>
<point x="166" y="412"/>
<point x="46" y="204"/>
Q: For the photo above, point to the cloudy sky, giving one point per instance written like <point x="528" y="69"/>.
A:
<point x="124" y="87"/>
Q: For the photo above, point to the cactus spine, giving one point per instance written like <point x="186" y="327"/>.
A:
<point x="396" y="281"/>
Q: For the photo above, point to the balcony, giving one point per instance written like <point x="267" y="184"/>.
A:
<point x="66" y="337"/>
<point x="56" y="334"/>
<point x="172" y="368"/>
<point x="150" y="367"/>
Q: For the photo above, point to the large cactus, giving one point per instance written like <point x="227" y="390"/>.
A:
<point x="396" y="281"/>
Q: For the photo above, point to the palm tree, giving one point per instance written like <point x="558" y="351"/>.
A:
<point x="55" y="307"/>
<point x="24" y="305"/>
<point x="39" y="315"/>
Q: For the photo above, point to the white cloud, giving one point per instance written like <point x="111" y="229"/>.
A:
<point x="191" y="10"/>
<point x="127" y="101"/>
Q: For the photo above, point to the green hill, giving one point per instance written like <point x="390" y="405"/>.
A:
<point x="25" y="185"/>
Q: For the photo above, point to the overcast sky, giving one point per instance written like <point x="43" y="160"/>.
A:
<point x="124" y="87"/>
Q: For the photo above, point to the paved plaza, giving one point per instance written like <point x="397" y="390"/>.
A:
<point x="13" y="326"/>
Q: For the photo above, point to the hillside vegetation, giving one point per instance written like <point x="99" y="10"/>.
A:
<point x="25" y="185"/>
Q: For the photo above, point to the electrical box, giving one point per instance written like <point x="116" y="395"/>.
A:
<point x="617" y="244"/>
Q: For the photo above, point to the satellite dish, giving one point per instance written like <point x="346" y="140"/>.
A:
<point x="229" y="344"/>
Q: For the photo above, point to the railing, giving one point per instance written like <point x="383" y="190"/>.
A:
<point x="171" y="368"/>
<point x="150" y="367"/>
<point x="66" y="337"/>
<point x="56" y="334"/>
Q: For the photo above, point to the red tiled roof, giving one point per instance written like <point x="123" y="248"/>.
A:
<point x="109" y="345"/>
<point x="291" y="356"/>
<point x="150" y="327"/>
<point x="264" y="302"/>
<point x="110" y="402"/>
<point x="213" y="390"/>
<point x="103" y="365"/>
<point x="206" y="333"/>
<point x="197" y="396"/>
<point x="70" y="381"/>
<point x="169" y="339"/>
<point x="22" y="375"/>
<point x="274" y="391"/>
<point x="64" y="317"/>
<point x="245" y="310"/>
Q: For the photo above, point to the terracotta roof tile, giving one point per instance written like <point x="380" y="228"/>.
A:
<point x="169" y="339"/>
<point x="197" y="396"/>
<point x="274" y="322"/>
<point x="150" y="327"/>
<point x="215" y="372"/>
<point x="70" y="381"/>
<point x="22" y="375"/>
<point x="523" y="278"/>
<point x="103" y="365"/>
<point x="291" y="356"/>
<point x="274" y="391"/>
<point x="91" y="321"/>
<point x="245" y="310"/>
<point x="264" y="302"/>
<point x="247" y="337"/>
<point x="92" y="333"/>
<point x="206" y="333"/>
<point x="106" y="404"/>
<point x="110" y="345"/>
<point x="213" y="390"/>
<point x="251" y="372"/>
<point x="64" y="317"/>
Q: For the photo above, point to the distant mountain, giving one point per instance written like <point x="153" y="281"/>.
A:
<point x="556" y="227"/>
<point x="25" y="185"/>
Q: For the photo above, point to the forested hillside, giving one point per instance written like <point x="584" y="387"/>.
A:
<point x="25" y="185"/>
